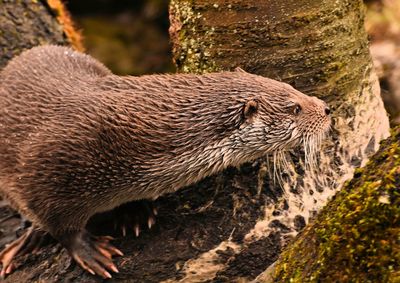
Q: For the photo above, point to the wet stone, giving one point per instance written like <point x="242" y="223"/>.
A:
<point x="299" y="223"/>
<point x="355" y="161"/>
<point x="279" y="226"/>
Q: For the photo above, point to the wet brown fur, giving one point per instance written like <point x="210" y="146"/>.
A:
<point x="76" y="139"/>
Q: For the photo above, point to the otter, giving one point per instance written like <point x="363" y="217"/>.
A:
<point x="77" y="140"/>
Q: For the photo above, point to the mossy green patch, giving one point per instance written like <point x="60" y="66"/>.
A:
<point x="356" y="238"/>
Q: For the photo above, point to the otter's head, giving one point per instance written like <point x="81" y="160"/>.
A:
<point x="283" y="118"/>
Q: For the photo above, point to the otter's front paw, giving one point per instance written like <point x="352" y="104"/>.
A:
<point x="92" y="253"/>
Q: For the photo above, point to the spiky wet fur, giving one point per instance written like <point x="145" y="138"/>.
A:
<point x="76" y="139"/>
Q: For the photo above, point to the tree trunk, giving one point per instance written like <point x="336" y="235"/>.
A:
<point x="356" y="237"/>
<point x="233" y="225"/>
<point x="24" y="24"/>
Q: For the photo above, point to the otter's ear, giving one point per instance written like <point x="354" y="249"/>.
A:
<point x="250" y="109"/>
<point x="238" y="69"/>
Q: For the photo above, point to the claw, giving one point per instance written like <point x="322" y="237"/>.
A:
<point x="107" y="275"/>
<point x="104" y="239"/>
<point x="116" y="251"/>
<point x="104" y="252"/>
<point x="114" y="268"/>
<point x="137" y="230"/>
<point x="10" y="268"/>
<point x="123" y="230"/>
<point x="83" y="264"/>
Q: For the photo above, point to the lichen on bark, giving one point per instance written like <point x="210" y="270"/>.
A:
<point x="193" y="44"/>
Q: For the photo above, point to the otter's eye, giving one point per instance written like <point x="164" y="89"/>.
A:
<point x="296" y="109"/>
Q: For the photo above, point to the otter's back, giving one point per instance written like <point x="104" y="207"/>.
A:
<point x="43" y="63"/>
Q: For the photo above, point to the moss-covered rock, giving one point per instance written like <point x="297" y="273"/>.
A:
<point x="356" y="237"/>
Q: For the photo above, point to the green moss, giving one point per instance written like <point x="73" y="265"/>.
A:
<point x="356" y="238"/>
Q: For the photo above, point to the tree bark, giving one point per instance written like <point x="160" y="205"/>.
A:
<point x="24" y="24"/>
<point x="356" y="237"/>
<point x="232" y="226"/>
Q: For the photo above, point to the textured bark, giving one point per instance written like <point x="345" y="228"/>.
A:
<point x="25" y="23"/>
<point x="319" y="47"/>
<point x="356" y="237"/>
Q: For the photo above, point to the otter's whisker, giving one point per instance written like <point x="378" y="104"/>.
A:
<point x="310" y="149"/>
<point x="275" y="158"/>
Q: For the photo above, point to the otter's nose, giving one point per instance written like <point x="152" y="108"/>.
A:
<point x="327" y="110"/>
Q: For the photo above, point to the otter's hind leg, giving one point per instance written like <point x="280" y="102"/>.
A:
<point x="30" y="241"/>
